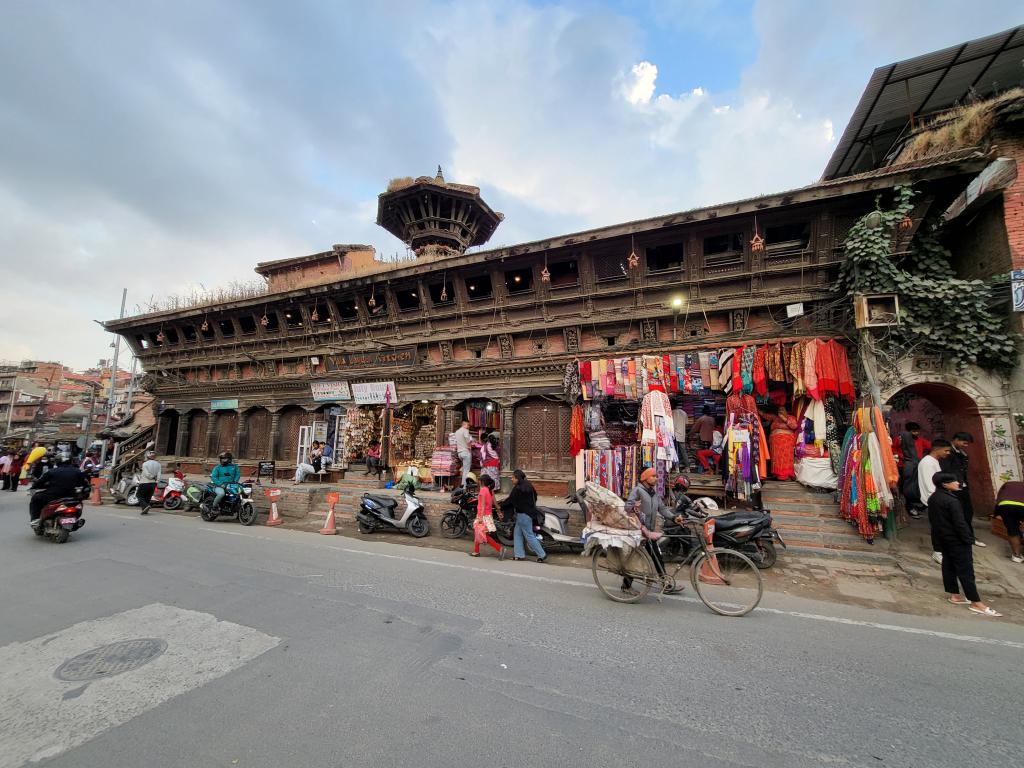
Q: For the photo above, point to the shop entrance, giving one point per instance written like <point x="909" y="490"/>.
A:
<point x="413" y="435"/>
<point x="942" y="411"/>
<point x="542" y="436"/>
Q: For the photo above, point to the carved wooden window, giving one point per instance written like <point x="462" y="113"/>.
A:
<point x="723" y="252"/>
<point x="479" y="287"/>
<point x="565" y="274"/>
<point x="293" y="317"/>
<point x="610" y="266"/>
<point x="786" y="243"/>
<point x="408" y="299"/>
<point x="447" y="353"/>
<point x="257" y="425"/>
<point x="542" y="436"/>
<point x="518" y="281"/>
<point x="347" y="309"/>
<point x="666" y="258"/>
<point x="649" y="331"/>
<point x="506" y="346"/>
<point x="189" y="332"/>
<point x="247" y="324"/>
<point x="572" y="340"/>
<point x="227" y="328"/>
<point x="442" y="294"/>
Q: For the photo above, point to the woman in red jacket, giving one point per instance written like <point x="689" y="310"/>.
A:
<point x="484" y="526"/>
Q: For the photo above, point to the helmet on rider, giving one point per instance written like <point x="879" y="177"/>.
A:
<point x="681" y="484"/>
<point x="225" y="458"/>
<point x="471" y="478"/>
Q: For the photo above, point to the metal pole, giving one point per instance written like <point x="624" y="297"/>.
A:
<point x="113" y="377"/>
<point x="88" y="423"/>
<point x="131" y="387"/>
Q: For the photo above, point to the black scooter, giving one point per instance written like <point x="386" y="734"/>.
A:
<point x="751" y="533"/>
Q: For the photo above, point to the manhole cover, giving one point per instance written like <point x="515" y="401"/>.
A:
<point x="110" y="660"/>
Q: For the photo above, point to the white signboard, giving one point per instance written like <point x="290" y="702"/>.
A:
<point x="1001" y="454"/>
<point x="329" y="391"/>
<point x="374" y="393"/>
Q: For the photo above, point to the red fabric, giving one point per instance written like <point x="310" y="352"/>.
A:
<point x="923" y="446"/>
<point x="761" y="371"/>
<point x="707" y="458"/>
<point x="783" y="445"/>
<point x="577" y="437"/>
<point x="825" y="367"/>
<point x="844" y="378"/>
<point x="585" y="372"/>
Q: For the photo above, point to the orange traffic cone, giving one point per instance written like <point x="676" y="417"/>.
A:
<point x="329" y="528"/>
<point x="275" y="516"/>
<point x="94" y="497"/>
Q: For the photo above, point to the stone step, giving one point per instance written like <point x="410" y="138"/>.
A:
<point x="874" y="556"/>
<point x="818" y="509"/>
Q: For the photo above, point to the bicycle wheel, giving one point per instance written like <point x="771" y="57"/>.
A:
<point x="727" y="582"/>
<point x="610" y="566"/>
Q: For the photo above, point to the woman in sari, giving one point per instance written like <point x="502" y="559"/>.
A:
<point x="782" y="443"/>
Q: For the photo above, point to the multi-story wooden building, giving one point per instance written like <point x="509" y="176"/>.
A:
<point x="489" y="332"/>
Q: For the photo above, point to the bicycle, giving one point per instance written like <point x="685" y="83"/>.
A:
<point x="725" y="580"/>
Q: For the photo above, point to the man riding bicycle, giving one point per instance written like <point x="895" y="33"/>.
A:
<point x="644" y="502"/>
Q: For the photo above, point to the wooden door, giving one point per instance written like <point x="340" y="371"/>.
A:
<point x="227" y="428"/>
<point x="292" y="418"/>
<point x="257" y="425"/>
<point x="197" y="434"/>
<point x="542" y="436"/>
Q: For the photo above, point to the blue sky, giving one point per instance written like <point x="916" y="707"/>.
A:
<point x="159" y="146"/>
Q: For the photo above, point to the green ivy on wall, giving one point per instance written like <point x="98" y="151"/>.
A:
<point x="941" y="314"/>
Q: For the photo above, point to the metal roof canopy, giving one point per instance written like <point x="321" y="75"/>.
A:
<point x="906" y="91"/>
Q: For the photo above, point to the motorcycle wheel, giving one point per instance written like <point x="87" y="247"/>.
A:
<point x="768" y="554"/>
<point x="63" y="534"/>
<point x="364" y="528"/>
<point x="207" y="514"/>
<point x="39" y="531"/>
<point x="247" y="514"/>
<point x="419" y="527"/>
<point x="132" y="499"/>
<point x="453" y="525"/>
<point x="505" y="538"/>
<point x="172" y="502"/>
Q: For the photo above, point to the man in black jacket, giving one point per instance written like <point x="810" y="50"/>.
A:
<point x="63" y="480"/>
<point x="908" y="472"/>
<point x="956" y="464"/>
<point x="955" y="538"/>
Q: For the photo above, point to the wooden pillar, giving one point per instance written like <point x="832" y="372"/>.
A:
<point x="275" y="433"/>
<point x="506" y="445"/>
<point x="447" y="423"/>
<point x="211" y="434"/>
<point x="241" y="433"/>
<point x="184" y="432"/>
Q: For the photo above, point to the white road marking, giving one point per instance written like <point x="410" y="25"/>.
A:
<point x="939" y="634"/>
<point x="41" y="716"/>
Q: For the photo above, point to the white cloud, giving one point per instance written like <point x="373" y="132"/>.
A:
<point x="638" y="86"/>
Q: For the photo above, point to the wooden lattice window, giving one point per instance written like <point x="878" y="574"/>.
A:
<point x="609" y="266"/>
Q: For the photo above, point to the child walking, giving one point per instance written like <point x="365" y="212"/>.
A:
<point x="484" y="526"/>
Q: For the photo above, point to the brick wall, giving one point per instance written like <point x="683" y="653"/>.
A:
<point x="1012" y="145"/>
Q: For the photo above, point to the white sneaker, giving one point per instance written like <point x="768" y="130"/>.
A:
<point x="980" y="543"/>
<point x="937" y="557"/>
<point x="1017" y="558"/>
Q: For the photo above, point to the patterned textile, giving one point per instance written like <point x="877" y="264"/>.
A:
<point x="571" y="381"/>
<point x="773" y="362"/>
<point x="725" y="370"/>
<point x="761" y="372"/>
<point x="796" y="369"/>
<point x="810" y="368"/>
<point x="747" y="369"/>
<point x="834" y="422"/>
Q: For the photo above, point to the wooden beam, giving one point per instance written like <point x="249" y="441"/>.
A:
<point x="996" y="177"/>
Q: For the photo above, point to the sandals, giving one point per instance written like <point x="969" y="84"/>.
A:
<point x="988" y="611"/>
<point x="958" y="602"/>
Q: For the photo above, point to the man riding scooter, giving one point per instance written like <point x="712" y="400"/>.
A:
<point x="223" y="474"/>
<point x="63" y="480"/>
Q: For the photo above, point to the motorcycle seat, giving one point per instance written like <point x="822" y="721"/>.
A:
<point x="561" y="514"/>
<point x="384" y="501"/>
<point x="737" y="519"/>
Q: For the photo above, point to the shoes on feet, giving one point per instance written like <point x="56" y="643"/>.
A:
<point x="518" y="558"/>
<point x="1017" y="558"/>
<point x="501" y="554"/>
<point x="542" y="559"/>
<point x="980" y="543"/>
<point x="937" y="557"/>
<point x="35" y="524"/>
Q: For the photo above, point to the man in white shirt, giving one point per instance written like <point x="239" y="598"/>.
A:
<point x="926" y="470"/>
<point x="149" y="477"/>
<point x="464" y="446"/>
<point x="679" y="420"/>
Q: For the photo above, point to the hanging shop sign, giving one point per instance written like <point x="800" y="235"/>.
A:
<point x="329" y="391"/>
<point x="224" y="405"/>
<point x="374" y="393"/>
<point x="397" y="356"/>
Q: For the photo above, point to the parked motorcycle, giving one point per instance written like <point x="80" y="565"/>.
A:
<point x="174" y="493"/>
<point x="458" y="521"/>
<point x="751" y="533"/>
<point x="554" y="530"/>
<point x="62" y="516"/>
<point x="377" y="512"/>
<point x="194" y="494"/>
<point x="126" y="489"/>
<point x="237" y="503"/>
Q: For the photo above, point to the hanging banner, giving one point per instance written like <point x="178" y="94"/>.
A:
<point x="374" y="393"/>
<point x="329" y="391"/>
<point x="224" y="405"/>
<point x="1002" y="457"/>
<point x="1017" y="289"/>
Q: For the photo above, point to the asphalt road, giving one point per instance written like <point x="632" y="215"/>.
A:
<point x="281" y="648"/>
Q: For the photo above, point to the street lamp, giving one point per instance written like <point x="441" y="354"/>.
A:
<point x="677" y="307"/>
